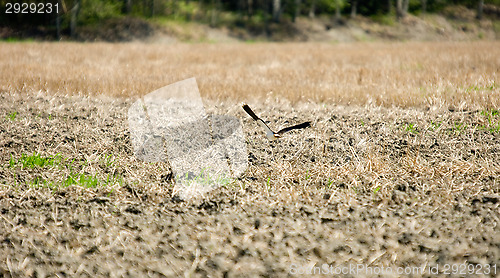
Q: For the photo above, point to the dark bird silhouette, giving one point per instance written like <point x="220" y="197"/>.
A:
<point x="271" y="135"/>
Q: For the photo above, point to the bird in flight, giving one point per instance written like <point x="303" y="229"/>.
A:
<point x="271" y="135"/>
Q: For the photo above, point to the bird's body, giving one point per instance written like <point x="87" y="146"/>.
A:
<point x="271" y="135"/>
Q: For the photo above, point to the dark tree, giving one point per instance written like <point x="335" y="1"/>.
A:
<point x="480" y="9"/>
<point x="312" y="10"/>
<point x="296" y="12"/>
<point x="74" y="18"/>
<point x="127" y="6"/>
<point x="354" y="6"/>
<point x="401" y="8"/>
<point x="276" y="10"/>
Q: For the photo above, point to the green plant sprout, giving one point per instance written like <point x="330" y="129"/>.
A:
<point x="107" y="161"/>
<point x="330" y="182"/>
<point x="12" y="116"/>
<point x="493" y="121"/>
<point x="35" y="160"/>
<point x="90" y="181"/>
<point x="435" y="126"/>
<point x="411" y="128"/>
<point x="307" y="175"/>
<point x="204" y="178"/>
<point x="459" y="127"/>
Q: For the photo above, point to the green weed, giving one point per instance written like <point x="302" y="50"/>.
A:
<point x="12" y="116"/>
<point x="308" y="175"/>
<point x="490" y="115"/>
<point x="475" y="88"/>
<point x="329" y="183"/>
<point x="107" y="161"/>
<point x="435" y="126"/>
<point x="39" y="182"/>
<point x="35" y="160"/>
<point x="411" y="128"/>
<point x="111" y="192"/>
<point x="492" y="119"/>
<point x="490" y="128"/>
<point x="80" y="179"/>
<point x="459" y="127"/>
<point x="204" y="178"/>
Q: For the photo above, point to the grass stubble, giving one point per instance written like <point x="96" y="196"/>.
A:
<point x="460" y="75"/>
<point x="400" y="168"/>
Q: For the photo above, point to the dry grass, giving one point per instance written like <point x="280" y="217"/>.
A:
<point x="401" y="166"/>
<point x="370" y="150"/>
<point x="398" y="100"/>
<point x="463" y="75"/>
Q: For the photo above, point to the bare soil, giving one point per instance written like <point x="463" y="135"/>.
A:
<point x="365" y="185"/>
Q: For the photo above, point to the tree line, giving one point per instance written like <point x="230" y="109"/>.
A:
<point x="72" y="13"/>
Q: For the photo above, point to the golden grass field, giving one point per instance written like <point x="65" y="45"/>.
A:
<point x="400" y="168"/>
<point x="413" y="74"/>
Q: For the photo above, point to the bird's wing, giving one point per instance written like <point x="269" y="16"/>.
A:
<point x="259" y="120"/>
<point x="264" y="126"/>
<point x="250" y="112"/>
<point x="299" y="126"/>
